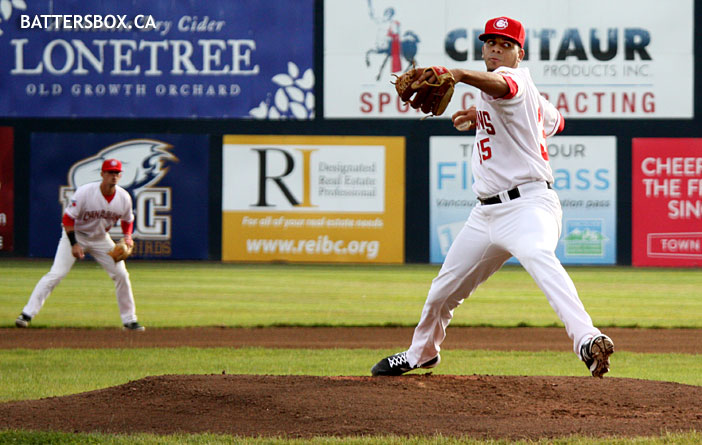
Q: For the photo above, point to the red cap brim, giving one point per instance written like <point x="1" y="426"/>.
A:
<point x="485" y="37"/>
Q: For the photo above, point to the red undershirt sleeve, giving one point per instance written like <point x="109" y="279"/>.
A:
<point x="561" y="123"/>
<point x="67" y="221"/>
<point x="513" y="88"/>
<point x="127" y="227"/>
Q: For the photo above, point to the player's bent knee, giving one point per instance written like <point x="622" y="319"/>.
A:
<point x="54" y="277"/>
<point x="120" y="275"/>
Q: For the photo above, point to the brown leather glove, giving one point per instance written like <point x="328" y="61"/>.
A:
<point x="431" y="95"/>
<point x="120" y="251"/>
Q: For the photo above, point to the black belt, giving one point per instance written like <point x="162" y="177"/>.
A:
<point x="513" y="194"/>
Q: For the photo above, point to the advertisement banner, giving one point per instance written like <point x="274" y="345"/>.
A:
<point x="584" y="171"/>
<point x="313" y="199"/>
<point x="7" y="189"/>
<point x="588" y="63"/>
<point x="162" y="58"/>
<point x="667" y="202"/>
<point x="165" y="174"/>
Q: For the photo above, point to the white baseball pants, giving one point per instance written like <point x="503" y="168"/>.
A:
<point x="528" y="228"/>
<point x="63" y="262"/>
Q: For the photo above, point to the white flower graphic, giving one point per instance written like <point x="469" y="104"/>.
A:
<point x="294" y="99"/>
<point x="6" y="9"/>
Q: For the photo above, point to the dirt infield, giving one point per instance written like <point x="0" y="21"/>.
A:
<point x="687" y="341"/>
<point x="304" y="406"/>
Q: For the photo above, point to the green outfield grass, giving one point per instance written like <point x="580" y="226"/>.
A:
<point x="18" y="437"/>
<point x="176" y="294"/>
<point x="180" y="294"/>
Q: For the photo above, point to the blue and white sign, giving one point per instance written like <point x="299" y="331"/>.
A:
<point x="166" y="175"/>
<point x="584" y="170"/>
<point x="162" y="58"/>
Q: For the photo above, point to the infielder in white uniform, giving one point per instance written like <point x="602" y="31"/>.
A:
<point x="94" y="209"/>
<point x="519" y="213"/>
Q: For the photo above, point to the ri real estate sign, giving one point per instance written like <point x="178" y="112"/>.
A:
<point x="667" y="202"/>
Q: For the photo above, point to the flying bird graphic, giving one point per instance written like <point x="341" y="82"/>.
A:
<point x="143" y="164"/>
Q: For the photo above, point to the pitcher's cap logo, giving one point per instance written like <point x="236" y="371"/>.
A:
<point x="501" y="24"/>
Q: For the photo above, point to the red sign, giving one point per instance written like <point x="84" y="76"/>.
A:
<point x="7" y="188"/>
<point x="667" y="202"/>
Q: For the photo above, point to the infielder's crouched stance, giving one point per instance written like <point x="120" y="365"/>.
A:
<point x="519" y="213"/>
<point x="94" y="209"/>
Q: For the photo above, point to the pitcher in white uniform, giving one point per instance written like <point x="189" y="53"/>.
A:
<point x="519" y="213"/>
<point x="95" y="208"/>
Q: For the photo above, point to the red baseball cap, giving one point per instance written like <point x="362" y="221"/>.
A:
<point x="111" y="165"/>
<point x="504" y="27"/>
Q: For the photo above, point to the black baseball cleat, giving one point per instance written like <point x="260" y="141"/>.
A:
<point x="133" y="326"/>
<point x="23" y="320"/>
<point x="595" y="354"/>
<point x="397" y="364"/>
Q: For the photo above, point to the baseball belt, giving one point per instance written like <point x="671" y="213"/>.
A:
<point x="509" y="195"/>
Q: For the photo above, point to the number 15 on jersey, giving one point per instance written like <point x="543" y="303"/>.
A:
<point x="484" y="150"/>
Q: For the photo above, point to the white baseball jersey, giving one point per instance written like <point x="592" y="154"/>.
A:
<point x="510" y="150"/>
<point x="93" y="214"/>
<point x="510" y="139"/>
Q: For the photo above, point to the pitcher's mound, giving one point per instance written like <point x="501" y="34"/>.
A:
<point x="414" y="405"/>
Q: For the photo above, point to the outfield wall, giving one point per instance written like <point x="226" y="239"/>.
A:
<point x="208" y="74"/>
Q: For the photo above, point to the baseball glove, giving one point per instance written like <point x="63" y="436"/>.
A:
<point x="120" y="251"/>
<point x="430" y="97"/>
